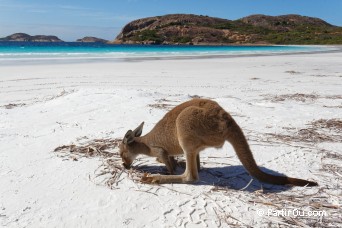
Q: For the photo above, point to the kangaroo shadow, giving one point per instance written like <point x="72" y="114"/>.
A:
<point x="224" y="178"/>
<point x="236" y="177"/>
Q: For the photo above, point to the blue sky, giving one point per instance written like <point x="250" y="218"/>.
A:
<point x="72" y="19"/>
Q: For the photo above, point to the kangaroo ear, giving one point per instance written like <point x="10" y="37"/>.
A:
<point x="128" y="138"/>
<point x="138" y="131"/>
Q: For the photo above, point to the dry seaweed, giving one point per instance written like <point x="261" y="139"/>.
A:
<point x="294" y="97"/>
<point x="331" y="124"/>
<point x="12" y="105"/>
<point x="162" y="104"/>
<point x="61" y="94"/>
<point x="322" y="130"/>
<point x="96" y="147"/>
<point x="302" y="97"/>
<point x="105" y="149"/>
<point x="333" y="97"/>
<point x="293" y="72"/>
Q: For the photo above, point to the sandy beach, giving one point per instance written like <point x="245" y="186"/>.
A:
<point x="289" y="107"/>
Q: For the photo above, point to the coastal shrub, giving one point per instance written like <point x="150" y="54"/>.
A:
<point x="226" y="25"/>
<point x="182" y="39"/>
<point x="148" y="35"/>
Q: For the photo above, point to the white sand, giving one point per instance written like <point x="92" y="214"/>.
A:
<point x="62" y="102"/>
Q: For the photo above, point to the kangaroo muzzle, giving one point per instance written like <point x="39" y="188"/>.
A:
<point x="127" y="166"/>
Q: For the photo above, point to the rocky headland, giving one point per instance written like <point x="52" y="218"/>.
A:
<point x="91" y="39"/>
<point x="23" y="37"/>
<point x="204" y="30"/>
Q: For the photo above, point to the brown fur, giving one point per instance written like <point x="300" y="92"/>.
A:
<point x="188" y="129"/>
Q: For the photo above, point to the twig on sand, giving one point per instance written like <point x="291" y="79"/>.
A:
<point x="247" y="185"/>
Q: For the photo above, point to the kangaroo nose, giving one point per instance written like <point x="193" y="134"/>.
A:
<point x="126" y="166"/>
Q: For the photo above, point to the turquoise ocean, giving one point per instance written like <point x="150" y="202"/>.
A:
<point x="77" y="50"/>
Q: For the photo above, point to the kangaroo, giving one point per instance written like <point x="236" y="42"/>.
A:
<point x="188" y="129"/>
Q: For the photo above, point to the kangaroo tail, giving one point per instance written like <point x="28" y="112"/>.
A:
<point x="238" y="140"/>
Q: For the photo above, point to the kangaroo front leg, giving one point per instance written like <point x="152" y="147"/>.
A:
<point x="190" y="175"/>
<point x="163" y="157"/>
<point x="198" y="162"/>
<point x="169" y="161"/>
<point x="173" y="162"/>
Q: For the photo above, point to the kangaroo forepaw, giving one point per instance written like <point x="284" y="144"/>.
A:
<point x="150" y="179"/>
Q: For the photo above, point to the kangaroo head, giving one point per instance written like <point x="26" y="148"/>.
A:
<point x="129" y="148"/>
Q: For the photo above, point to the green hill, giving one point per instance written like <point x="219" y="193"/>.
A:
<point x="254" y="29"/>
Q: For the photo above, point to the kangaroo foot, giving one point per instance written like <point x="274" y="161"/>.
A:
<point x="164" y="179"/>
<point x="150" y="179"/>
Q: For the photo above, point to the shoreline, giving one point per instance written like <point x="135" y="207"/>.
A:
<point x="92" y="59"/>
